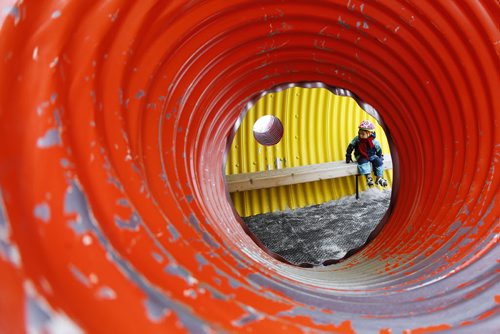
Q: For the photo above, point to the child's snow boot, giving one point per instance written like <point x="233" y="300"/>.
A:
<point x="369" y="181"/>
<point x="381" y="182"/>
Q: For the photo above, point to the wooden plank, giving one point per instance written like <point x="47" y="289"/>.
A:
<point x="294" y="175"/>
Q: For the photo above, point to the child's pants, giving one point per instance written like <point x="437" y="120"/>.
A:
<point x="365" y="165"/>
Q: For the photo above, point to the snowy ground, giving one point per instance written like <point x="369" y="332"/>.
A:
<point x="322" y="232"/>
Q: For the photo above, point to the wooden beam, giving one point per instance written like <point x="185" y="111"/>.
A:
<point x="294" y="175"/>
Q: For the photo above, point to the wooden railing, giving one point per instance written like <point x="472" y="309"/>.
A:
<point x="294" y="175"/>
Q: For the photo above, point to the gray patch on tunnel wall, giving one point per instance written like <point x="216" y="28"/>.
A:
<point x="131" y="224"/>
<point x="49" y="139"/>
<point x="65" y="163"/>
<point x="77" y="203"/>
<point x="195" y="222"/>
<point x="41" y="318"/>
<point x="80" y="276"/>
<point x="8" y="250"/>
<point x="12" y="11"/>
<point x="157" y="257"/>
<point x="173" y="231"/>
<point x="295" y="294"/>
<point x="251" y="316"/>
<point x="216" y="294"/>
<point x="176" y="270"/>
<point x="202" y="262"/>
<point x="206" y="237"/>
<point x="316" y="316"/>
<point x="36" y="316"/>
<point x="106" y="293"/>
<point x="4" y="227"/>
<point x="232" y="282"/>
<point x="156" y="310"/>
<point x="42" y="212"/>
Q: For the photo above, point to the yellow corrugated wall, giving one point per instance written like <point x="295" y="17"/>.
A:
<point x="318" y="126"/>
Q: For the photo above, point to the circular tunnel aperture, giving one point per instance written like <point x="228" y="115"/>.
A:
<point x="301" y="200"/>
<point x="127" y="105"/>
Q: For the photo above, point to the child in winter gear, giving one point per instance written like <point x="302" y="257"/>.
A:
<point x="368" y="152"/>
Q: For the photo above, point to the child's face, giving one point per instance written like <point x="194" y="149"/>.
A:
<point x="364" y="134"/>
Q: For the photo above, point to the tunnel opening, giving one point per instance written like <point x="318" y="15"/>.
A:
<point x="163" y="82"/>
<point x="292" y="188"/>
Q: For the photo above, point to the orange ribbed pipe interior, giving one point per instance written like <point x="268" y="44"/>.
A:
<point x="115" y="116"/>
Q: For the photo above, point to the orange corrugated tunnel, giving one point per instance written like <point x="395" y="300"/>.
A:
<point x="115" y="116"/>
